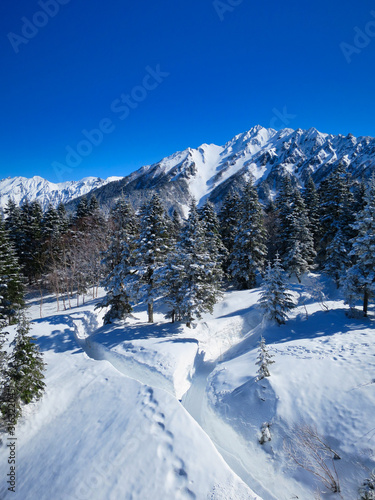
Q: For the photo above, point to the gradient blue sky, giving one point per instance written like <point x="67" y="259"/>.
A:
<point x="226" y="74"/>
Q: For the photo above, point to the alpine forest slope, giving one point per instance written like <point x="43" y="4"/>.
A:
<point x="267" y="155"/>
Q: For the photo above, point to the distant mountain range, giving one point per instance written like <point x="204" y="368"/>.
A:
<point x="22" y="188"/>
<point x="211" y="171"/>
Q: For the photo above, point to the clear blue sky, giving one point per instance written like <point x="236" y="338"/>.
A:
<point x="229" y="67"/>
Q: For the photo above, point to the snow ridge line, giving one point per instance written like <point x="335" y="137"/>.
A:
<point x="127" y="365"/>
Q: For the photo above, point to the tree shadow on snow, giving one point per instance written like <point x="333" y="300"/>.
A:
<point x="59" y="340"/>
<point x="115" y="334"/>
<point x="318" y="324"/>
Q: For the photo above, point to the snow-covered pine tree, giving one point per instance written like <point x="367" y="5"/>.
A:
<point x="264" y="359"/>
<point x="13" y="224"/>
<point x="312" y="202"/>
<point x="360" y="279"/>
<point x="152" y="247"/>
<point x="271" y="227"/>
<point x="51" y="223"/>
<point x="284" y="208"/>
<point x="170" y="279"/>
<point x="198" y="284"/>
<point x="63" y="218"/>
<point x="275" y="300"/>
<point x="123" y="224"/>
<point x="359" y="193"/>
<point x="228" y="224"/>
<point x="249" y="248"/>
<point x="11" y="285"/>
<point x="212" y="236"/>
<point x="82" y="208"/>
<point x="176" y="225"/>
<point x="299" y="245"/>
<point x="337" y="259"/>
<point x="336" y="208"/>
<point x="93" y="205"/>
<point x="30" y="250"/>
<point x="118" y="262"/>
<point x="26" y="365"/>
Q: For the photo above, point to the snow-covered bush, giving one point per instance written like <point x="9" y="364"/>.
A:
<point x="308" y="450"/>
<point x="367" y="490"/>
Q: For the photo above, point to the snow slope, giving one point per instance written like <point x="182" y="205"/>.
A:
<point x="21" y="188"/>
<point x="101" y="435"/>
<point x="111" y="424"/>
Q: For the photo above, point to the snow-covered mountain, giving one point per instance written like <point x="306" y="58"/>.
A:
<point x="265" y="154"/>
<point x="210" y="171"/>
<point x="22" y="188"/>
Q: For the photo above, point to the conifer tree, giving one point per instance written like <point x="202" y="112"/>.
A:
<point x="152" y="247"/>
<point x="249" y="249"/>
<point x="118" y="261"/>
<point x="93" y="205"/>
<point x="23" y="376"/>
<point x="192" y="284"/>
<point x="63" y="218"/>
<point x="83" y="209"/>
<point x="337" y="260"/>
<point x="284" y="207"/>
<point x="212" y="236"/>
<point x="26" y="365"/>
<point x="275" y="300"/>
<point x="170" y="279"/>
<point x="312" y="202"/>
<point x="228" y="224"/>
<point x="360" y="279"/>
<point x="176" y="225"/>
<point x="29" y="240"/>
<point x="13" y="224"/>
<point x="299" y="245"/>
<point x="336" y="209"/>
<point x="264" y="359"/>
<point x="11" y="285"/>
<point x="51" y="224"/>
<point x="271" y="227"/>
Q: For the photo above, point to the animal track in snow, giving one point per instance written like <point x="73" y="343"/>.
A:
<point x="177" y="479"/>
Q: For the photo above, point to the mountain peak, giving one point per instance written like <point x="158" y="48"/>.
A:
<point x="210" y="171"/>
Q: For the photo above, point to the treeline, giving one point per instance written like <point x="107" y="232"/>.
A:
<point x="56" y="251"/>
<point x="151" y="254"/>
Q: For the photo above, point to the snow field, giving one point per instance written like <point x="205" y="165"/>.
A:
<point x="101" y="435"/>
<point x="111" y="426"/>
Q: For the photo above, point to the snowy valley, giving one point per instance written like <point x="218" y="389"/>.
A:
<point x="139" y="411"/>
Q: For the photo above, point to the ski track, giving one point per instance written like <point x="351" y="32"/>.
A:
<point x="228" y="443"/>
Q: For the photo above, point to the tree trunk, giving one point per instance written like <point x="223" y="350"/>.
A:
<point x="150" y="310"/>
<point x="365" y="302"/>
